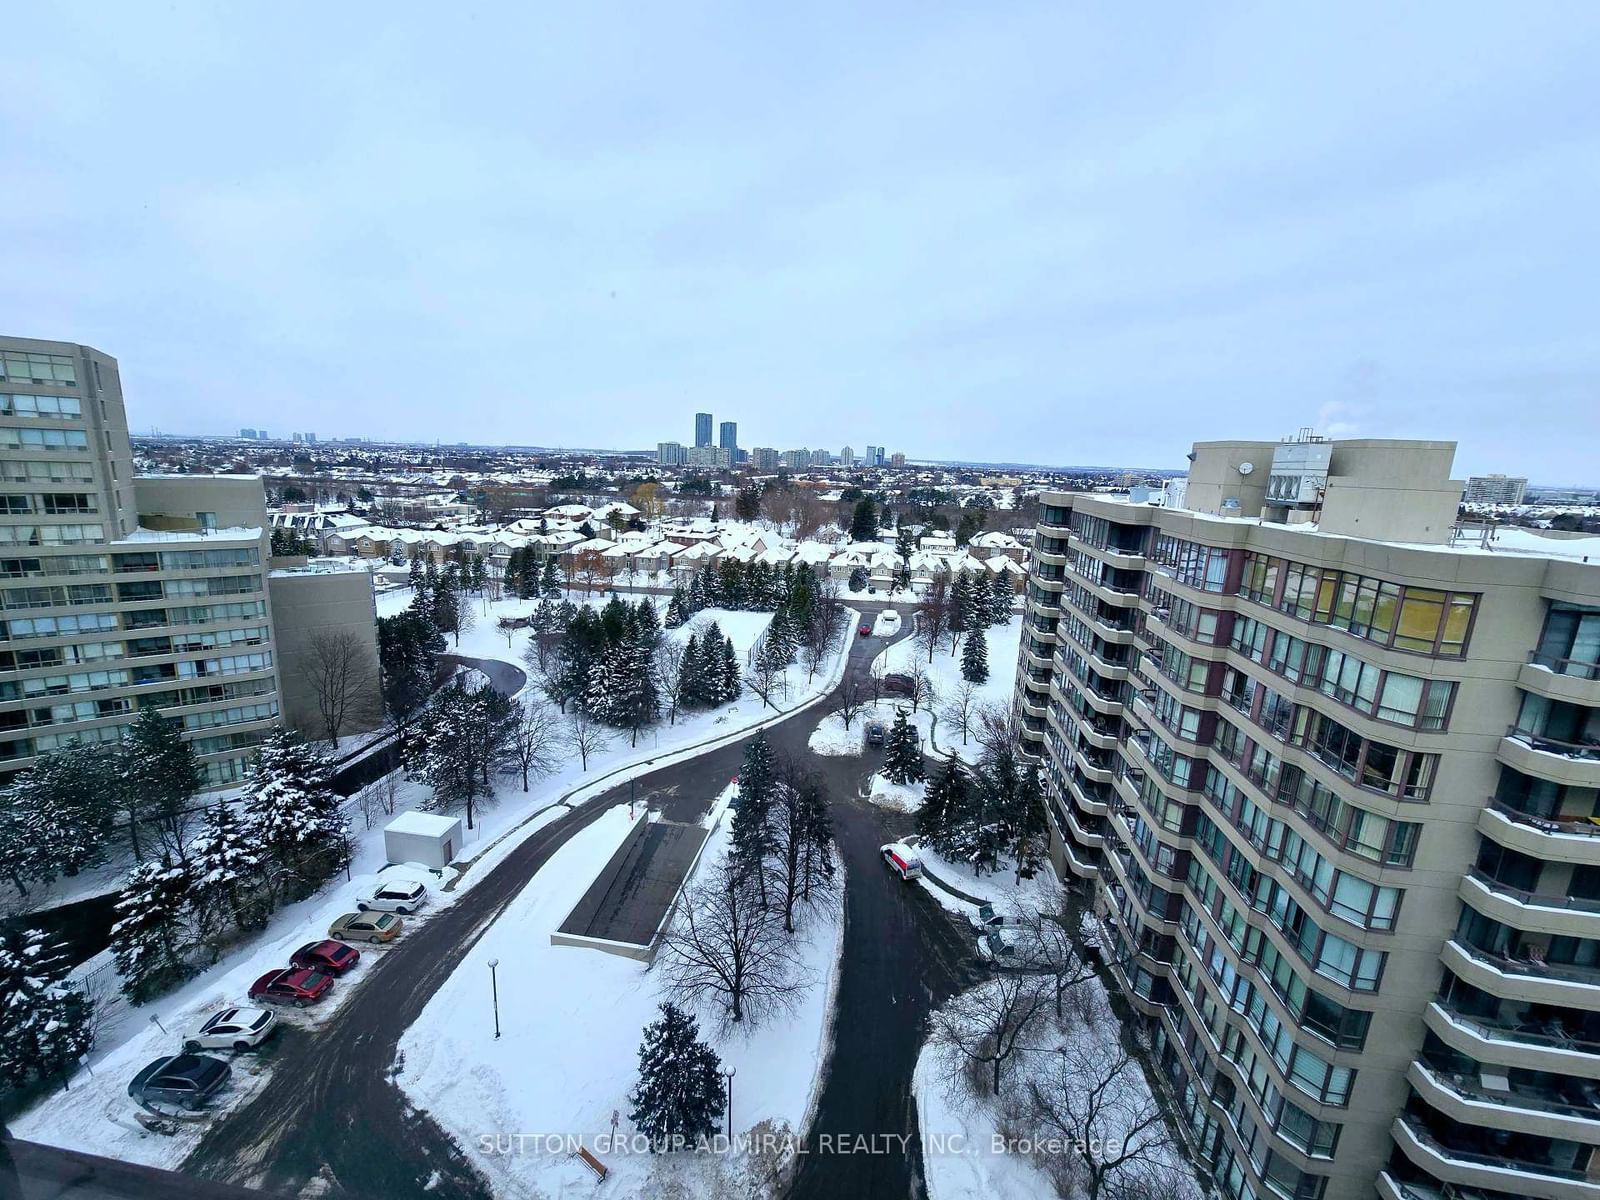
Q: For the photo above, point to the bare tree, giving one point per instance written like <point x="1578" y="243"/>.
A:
<point x="728" y="950"/>
<point x="767" y="677"/>
<point x="1095" y="1097"/>
<point x="667" y="662"/>
<point x="343" y="681"/>
<point x="960" y="709"/>
<point x="534" y="746"/>
<point x="1048" y="945"/>
<point x="379" y="796"/>
<point x="585" y="737"/>
<point x="848" y="701"/>
<point x="984" y="1026"/>
<point x="933" y="614"/>
<point x="875" y="674"/>
<point x="802" y="840"/>
<point x="826" y="628"/>
<point x="922" y="693"/>
<point x="997" y="728"/>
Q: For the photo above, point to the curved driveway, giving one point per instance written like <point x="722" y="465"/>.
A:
<point x="331" y="1115"/>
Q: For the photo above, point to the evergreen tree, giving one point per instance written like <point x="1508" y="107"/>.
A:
<point x="752" y="816"/>
<point x="415" y="571"/>
<point x="151" y="938"/>
<point x="646" y="627"/>
<point x="292" y="814"/>
<point x="1030" y="830"/>
<point x="680" y="1093"/>
<point x="817" y="863"/>
<point x="864" y="521"/>
<point x="904" y="544"/>
<point x="446" y="603"/>
<point x="408" y="644"/>
<point x="1001" y="597"/>
<point x="58" y="815"/>
<point x="160" y="776"/>
<point x="858" y="579"/>
<point x="975" y="658"/>
<point x="549" y="580"/>
<point x="779" y="646"/>
<point x="902" y="753"/>
<point x="959" y="618"/>
<point x="225" y="864"/>
<point x="946" y="803"/>
<point x="691" y="675"/>
<point x="678" y="610"/>
<point x="44" y="1025"/>
<point x="728" y="675"/>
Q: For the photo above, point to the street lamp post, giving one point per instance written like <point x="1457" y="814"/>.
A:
<point x="728" y="1075"/>
<point x="494" y="989"/>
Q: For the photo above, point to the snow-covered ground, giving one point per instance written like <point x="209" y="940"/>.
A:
<point x="898" y="797"/>
<point x="962" y="1159"/>
<point x="568" y="1055"/>
<point x="1000" y="887"/>
<point x="939" y="734"/>
<point x="96" y="1115"/>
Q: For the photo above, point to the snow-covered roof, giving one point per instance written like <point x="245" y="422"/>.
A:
<point x="423" y="824"/>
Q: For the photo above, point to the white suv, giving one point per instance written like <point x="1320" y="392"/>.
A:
<point x="398" y="895"/>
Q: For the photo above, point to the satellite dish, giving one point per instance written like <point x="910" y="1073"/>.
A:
<point x="1246" y="468"/>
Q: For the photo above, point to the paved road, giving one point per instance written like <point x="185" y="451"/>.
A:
<point x="330" y="1111"/>
<point x="505" y="676"/>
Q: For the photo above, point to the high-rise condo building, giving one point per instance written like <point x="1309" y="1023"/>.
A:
<point x="1328" y="768"/>
<point x="671" y="454"/>
<point x="121" y="593"/>
<point x="702" y="429"/>
<point x="1495" y="489"/>
<point x="728" y="435"/>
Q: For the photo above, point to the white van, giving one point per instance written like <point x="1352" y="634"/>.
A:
<point x="902" y="860"/>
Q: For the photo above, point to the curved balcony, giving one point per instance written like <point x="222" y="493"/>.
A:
<point x="1465" y="1168"/>
<point x="1528" y="1045"/>
<point x="1576" y="764"/>
<point x="1472" y="1101"/>
<point x="1575" y="681"/>
<point x="1552" y="839"/>
<point x="1526" y="979"/>
<point x="1571" y="916"/>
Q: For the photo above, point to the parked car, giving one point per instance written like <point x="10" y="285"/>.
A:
<point x="888" y="623"/>
<point x="366" y="927"/>
<point x="875" y="733"/>
<point x="398" y="895"/>
<point x="865" y="630"/>
<point x="986" y="919"/>
<point x="330" y="956"/>
<point x="232" y="1029"/>
<point x="185" y="1080"/>
<point x="298" y="986"/>
<point x="899" y="685"/>
<point x="902" y="860"/>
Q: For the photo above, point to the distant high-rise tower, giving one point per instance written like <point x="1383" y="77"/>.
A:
<point x="702" y="429"/>
<point x="728" y="435"/>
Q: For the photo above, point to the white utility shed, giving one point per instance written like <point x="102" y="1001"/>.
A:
<point x="426" y="838"/>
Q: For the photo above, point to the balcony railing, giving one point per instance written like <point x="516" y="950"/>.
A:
<point x="1523" y="1096"/>
<point x="1536" y="899"/>
<point x="1538" y="741"/>
<point x="1532" y="966"/>
<point x="1475" y="1158"/>
<point x="1548" y="1035"/>
<point x="1577" y="826"/>
<point x="1580" y="668"/>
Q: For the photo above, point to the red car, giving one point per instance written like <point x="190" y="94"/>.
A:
<point x="326" y="955"/>
<point x="298" y="986"/>
<point x="865" y="631"/>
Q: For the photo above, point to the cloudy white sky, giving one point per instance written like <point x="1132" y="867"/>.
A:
<point x="1058" y="233"/>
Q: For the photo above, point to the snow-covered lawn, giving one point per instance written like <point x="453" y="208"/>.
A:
<point x="96" y="1115"/>
<point x="898" y="797"/>
<point x="571" y="1018"/>
<point x="944" y="671"/>
<point x="1000" y="887"/>
<point x="983" y="1147"/>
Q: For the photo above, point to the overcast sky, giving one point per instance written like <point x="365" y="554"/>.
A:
<point x="1054" y="233"/>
